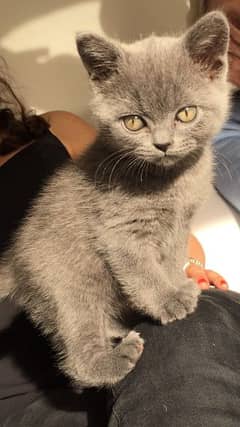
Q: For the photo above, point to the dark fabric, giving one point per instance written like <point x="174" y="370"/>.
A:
<point x="57" y="408"/>
<point x="21" y="179"/>
<point x="188" y="376"/>
<point x="189" y="373"/>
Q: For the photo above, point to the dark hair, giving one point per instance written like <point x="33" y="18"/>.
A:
<point x="18" y="127"/>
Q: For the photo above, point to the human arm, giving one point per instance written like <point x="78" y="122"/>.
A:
<point x="74" y="133"/>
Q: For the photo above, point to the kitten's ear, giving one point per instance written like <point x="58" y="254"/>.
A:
<point x="100" y="56"/>
<point x="207" y="43"/>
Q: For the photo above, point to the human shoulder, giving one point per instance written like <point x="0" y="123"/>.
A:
<point x="73" y="132"/>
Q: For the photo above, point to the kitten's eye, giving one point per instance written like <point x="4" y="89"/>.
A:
<point x="187" y="114"/>
<point x="133" y="123"/>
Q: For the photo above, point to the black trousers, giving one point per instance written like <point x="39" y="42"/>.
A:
<point x="188" y="376"/>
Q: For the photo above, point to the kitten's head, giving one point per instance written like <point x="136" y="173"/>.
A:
<point x="161" y="98"/>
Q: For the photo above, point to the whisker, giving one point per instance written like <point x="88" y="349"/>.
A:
<point x="131" y="164"/>
<point x="124" y="156"/>
<point x="109" y="159"/>
<point x="142" y="168"/>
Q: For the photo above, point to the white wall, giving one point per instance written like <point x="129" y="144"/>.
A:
<point x="37" y="40"/>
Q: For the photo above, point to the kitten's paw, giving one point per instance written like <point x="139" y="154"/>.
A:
<point x="132" y="346"/>
<point x="181" y="303"/>
<point x="129" y="352"/>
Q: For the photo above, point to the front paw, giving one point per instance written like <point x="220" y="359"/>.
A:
<point x="131" y="347"/>
<point x="127" y="353"/>
<point x="180" y="303"/>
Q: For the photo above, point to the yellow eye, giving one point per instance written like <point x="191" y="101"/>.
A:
<point x="187" y="114"/>
<point x="134" y="123"/>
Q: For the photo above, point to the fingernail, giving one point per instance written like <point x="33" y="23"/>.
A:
<point x="203" y="283"/>
<point x="224" y="284"/>
<point x="202" y="280"/>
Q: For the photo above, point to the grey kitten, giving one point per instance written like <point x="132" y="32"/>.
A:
<point x="107" y="237"/>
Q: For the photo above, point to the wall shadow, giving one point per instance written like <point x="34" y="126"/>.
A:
<point x="15" y="15"/>
<point x="58" y="83"/>
<point x="44" y="82"/>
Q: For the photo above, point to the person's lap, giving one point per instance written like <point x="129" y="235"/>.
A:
<point x="32" y="390"/>
<point x="56" y="408"/>
<point x="188" y="375"/>
<point x="189" y="372"/>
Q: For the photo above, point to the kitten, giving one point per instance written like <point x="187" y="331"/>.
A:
<point x="108" y="235"/>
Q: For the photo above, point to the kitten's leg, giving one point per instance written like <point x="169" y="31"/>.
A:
<point x="180" y="301"/>
<point x="91" y="358"/>
<point x="82" y="335"/>
<point x="75" y="315"/>
<point x="144" y="281"/>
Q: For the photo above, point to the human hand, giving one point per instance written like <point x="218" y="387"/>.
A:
<point x="206" y="278"/>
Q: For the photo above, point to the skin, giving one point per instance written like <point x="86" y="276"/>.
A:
<point x="203" y="277"/>
<point x="76" y="135"/>
<point x="232" y="11"/>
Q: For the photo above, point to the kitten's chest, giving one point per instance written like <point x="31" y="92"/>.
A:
<point x="156" y="215"/>
<point x="147" y="217"/>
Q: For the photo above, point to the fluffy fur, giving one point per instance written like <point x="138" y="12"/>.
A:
<point x="107" y="237"/>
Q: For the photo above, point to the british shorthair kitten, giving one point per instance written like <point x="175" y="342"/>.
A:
<point x="107" y="237"/>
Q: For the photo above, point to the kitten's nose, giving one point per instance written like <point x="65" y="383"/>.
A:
<point x="162" y="147"/>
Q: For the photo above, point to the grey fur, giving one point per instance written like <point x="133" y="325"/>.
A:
<point x="107" y="237"/>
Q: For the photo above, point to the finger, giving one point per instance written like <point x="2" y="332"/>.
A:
<point x="202" y="282"/>
<point x="216" y="280"/>
<point x="198" y="275"/>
